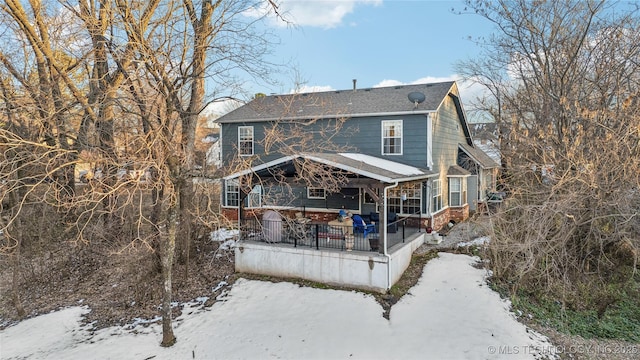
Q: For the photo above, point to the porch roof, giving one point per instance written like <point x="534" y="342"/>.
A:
<point x="376" y="168"/>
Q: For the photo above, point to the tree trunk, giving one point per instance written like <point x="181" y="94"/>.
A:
<point x="168" y="246"/>
<point x="15" y="264"/>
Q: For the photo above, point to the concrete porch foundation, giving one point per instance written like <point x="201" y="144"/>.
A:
<point x="358" y="269"/>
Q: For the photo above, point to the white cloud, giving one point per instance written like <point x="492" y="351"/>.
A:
<point x="387" y="82"/>
<point x="469" y="91"/>
<point x="324" y="14"/>
<point x="309" y="89"/>
<point x="423" y="80"/>
<point x="219" y="108"/>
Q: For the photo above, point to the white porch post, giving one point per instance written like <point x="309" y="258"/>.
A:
<point x="384" y="232"/>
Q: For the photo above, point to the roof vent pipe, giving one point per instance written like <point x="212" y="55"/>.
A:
<point x="354" y="84"/>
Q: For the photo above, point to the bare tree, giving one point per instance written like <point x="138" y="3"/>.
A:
<point x="562" y="78"/>
<point x="119" y="86"/>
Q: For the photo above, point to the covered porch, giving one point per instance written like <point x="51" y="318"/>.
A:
<point x="297" y="239"/>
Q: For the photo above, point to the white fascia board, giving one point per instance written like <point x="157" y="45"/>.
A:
<point x="333" y="116"/>
<point x="384" y="179"/>
<point x="260" y="167"/>
<point x="368" y="174"/>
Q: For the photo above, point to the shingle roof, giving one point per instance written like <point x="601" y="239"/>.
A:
<point x="479" y="156"/>
<point x="341" y="103"/>
<point x="457" y="170"/>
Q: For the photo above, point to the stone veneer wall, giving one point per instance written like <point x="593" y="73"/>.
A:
<point x="232" y="214"/>
<point x="459" y="214"/>
<point x="438" y="221"/>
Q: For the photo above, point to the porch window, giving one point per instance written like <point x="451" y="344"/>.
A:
<point x="232" y="193"/>
<point x="254" y="199"/>
<point x="436" y="203"/>
<point x="457" y="191"/>
<point x="367" y="198"/>
<point x="316" y="193"/>
<point x="392" y="137"/>
<point x="245" y="140"/>
<point x="405" y="199"/>
<point x="489" y="182"/>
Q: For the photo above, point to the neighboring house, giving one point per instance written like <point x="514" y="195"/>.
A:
<point x="214" y="154"/>
<point x="485" y="138"/>
<point x="411" y="158"/>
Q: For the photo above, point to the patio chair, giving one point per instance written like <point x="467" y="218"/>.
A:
<point x="392" y="218"/>
<point x="360" y="226"/>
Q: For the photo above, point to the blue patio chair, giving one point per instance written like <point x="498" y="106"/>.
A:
<point x="360" y="226"/>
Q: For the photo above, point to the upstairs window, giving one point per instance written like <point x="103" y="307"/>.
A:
<point x="392" y="137"/>
<point x="245" y="140"/>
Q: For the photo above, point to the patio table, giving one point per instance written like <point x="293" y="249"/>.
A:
<point x="346" y="224"/>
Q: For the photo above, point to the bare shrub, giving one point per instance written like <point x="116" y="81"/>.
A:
<point x="567" y="114"/>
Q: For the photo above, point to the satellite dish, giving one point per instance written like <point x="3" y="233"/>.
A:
<point x="416" y="97"/>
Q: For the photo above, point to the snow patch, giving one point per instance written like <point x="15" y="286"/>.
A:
<point x="448" y="316"/>
<point x="224" y="234"/>
<point x="483" y="240"/>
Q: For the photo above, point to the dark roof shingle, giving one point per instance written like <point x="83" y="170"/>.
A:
<point x="479" y="156"/>
<point x="341" y="103"/>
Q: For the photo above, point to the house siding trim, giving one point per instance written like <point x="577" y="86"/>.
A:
<point x="332" y="116"/>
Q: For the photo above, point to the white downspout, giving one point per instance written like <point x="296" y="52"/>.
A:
<point x="429" y="142"/>
<point x="384" y="232"/>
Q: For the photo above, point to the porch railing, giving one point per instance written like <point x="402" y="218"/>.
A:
<point x="303" y="233"/>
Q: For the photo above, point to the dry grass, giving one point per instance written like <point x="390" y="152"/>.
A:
<point x="118" y="286"/>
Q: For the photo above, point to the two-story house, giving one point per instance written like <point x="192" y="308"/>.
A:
<point x="404" y="155"/>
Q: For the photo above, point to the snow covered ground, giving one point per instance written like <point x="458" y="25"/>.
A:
<point x="450" y="314"/>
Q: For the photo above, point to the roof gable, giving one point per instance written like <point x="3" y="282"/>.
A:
<point x="342" y="103"/>
<point x="479" y="156"/>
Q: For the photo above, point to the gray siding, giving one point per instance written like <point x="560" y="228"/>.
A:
<point x="347" y="198"/>
<point x="361" y="135"/>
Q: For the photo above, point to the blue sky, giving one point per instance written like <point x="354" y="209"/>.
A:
<point x="377" y="42"/>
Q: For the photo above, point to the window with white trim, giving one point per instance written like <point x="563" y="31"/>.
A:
<point x="489" y="182"/>
<point x="316" y="193"/>
<point x="232" y="193"/>
<point x="245" y="140"/>
<point x="436" y="196"/>
<point x="368" y="199"/>
<point x="405" y="199"/>
<point x="254" y="199"/>
<point x="457" y="191"/>
<point x="392" y="137"/>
